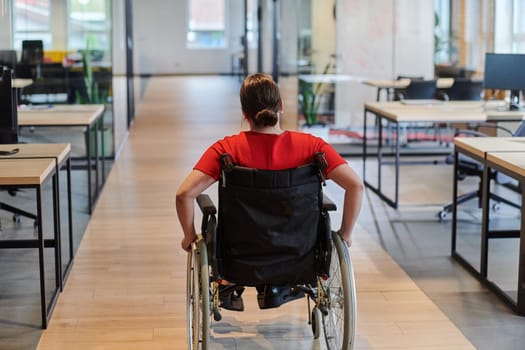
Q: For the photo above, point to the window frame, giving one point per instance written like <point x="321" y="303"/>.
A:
<point x="225" y="31"/>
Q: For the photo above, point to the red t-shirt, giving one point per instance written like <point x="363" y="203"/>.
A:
<point x="268" y="152"/>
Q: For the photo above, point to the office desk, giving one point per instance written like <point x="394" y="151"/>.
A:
<point x="61" y="154"/>
<point x="513" y="165"/>
<point x="389" y="85"/>
<point x="33" y="174"/>
<point x="510" y="153"/>
<point x="397" y="113"/>
<point x="88" y="116"/>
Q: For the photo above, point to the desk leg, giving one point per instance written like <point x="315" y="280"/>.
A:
<point x="43" y="306"/>
<point x="398" y="154"/>
<point x="379" y="152"/>
<point x="57" y="233"/>
<point x="454" y="205"/>
<point x="88" y="154"/>
<point x="70" y="209"/>
<point x="97" y="183"/>
<point x="521" y="267"/>
<point x="102" y="156"/>
<point x="365" y="140"/>
<point x="485" y="205"/>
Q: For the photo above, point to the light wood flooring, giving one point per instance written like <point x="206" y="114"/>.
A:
<point x="127" y="286"/>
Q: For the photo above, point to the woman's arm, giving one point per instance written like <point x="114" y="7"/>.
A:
<point x="347" y="178"/>
<point x="191" y="187"/>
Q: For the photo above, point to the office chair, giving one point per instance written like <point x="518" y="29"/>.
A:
<point x="464" y="90"/>
<point x="8" y="58"/>
<point x="32" y="52"/>
<point x="9" y="132"/>
<point x="420" y="89"/>
<point x="467" y="166"/>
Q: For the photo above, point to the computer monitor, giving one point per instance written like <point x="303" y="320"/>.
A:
<point x="505" y="71"/>
<point x="8" y="109"/>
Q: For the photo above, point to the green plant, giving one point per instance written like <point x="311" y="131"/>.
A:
<point x="94" y="93"/>
<point x="309" y="93"/>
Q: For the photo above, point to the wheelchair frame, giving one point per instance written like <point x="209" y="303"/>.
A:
<point x="334" y="311"/>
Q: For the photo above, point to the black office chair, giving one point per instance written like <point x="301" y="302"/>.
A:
<point x="464" y="90"/>
<point x="9" y="133"/>
<point x="420" y="89"/>
<point x="467" y="166"/>
<point x="32" y="52"/>
<point x="8" y="58"/>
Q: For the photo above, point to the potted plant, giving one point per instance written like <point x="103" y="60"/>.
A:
<point x="309" y="98"/>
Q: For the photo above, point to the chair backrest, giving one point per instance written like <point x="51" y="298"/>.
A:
<point x="420" y="89"/>
<point x="411" y="77"/>
<point x="8" y="58"/>
<point x="268" y="224"/>
<point x="8" y="109"/>
<point x="32" y="51"/>
<point x="465" y="89"/>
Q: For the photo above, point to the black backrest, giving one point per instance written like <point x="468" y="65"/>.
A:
<point x="32" y="52"/>
<point x="420" y="89"/>
<point x="268" y="225"/>
<point x="465" y="90"/>
<point x="411" y="77"/>
<point x="8" y="109"/>
<point x="8" y="58"/>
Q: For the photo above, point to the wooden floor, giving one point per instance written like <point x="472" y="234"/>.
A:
<point x="127" y="286"/>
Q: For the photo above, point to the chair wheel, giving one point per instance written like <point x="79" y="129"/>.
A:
<point x="443" y="215"/>
<point x="216" y="315"/>
<point x="496" y="206"/>
<point x="16" y="218"/>
<point x="316" y="322"/>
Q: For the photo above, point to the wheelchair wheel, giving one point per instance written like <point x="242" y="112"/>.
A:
<point x="337" y="299"/>
<point x="198" y="297"/>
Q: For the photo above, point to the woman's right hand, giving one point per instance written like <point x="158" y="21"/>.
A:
<point x="186" y="242"/>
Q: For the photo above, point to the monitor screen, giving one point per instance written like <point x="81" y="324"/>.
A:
<point x="504" y="71"/>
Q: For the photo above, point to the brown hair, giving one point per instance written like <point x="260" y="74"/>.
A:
<point x="260" y="99"/>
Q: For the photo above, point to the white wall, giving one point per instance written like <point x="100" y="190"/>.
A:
<point x="380" y="39"/>
<point x="159" y="30"/>
<point x="5" y="25"/>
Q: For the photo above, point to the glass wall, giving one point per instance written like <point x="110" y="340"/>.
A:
<point x="76" y="67"/>
<point x="316" y="54"/>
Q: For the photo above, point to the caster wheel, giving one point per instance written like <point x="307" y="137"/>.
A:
<point x="496" y="206"/>
<point x="16" y="218"/>
<point x="443" y="215"/>
<point x="316" y="322"/>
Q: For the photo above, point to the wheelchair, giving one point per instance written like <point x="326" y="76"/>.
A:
<point x="272" y="228"/>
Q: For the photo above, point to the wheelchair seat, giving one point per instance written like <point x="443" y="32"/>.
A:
<point x="271" y="228"/>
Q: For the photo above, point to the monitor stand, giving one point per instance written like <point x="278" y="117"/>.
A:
<point x="514" y="104"/>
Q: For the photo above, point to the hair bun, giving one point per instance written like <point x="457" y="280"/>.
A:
<point x="266" y="117"/>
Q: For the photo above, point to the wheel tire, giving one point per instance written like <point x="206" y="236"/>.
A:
<point x="443" y="215"/>
<point x="198" y="298"/>
<point x="317" y="318"/>
<point x="339" y="290"/>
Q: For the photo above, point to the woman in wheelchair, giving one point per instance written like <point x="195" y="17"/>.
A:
<point x="265" y="146"/>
